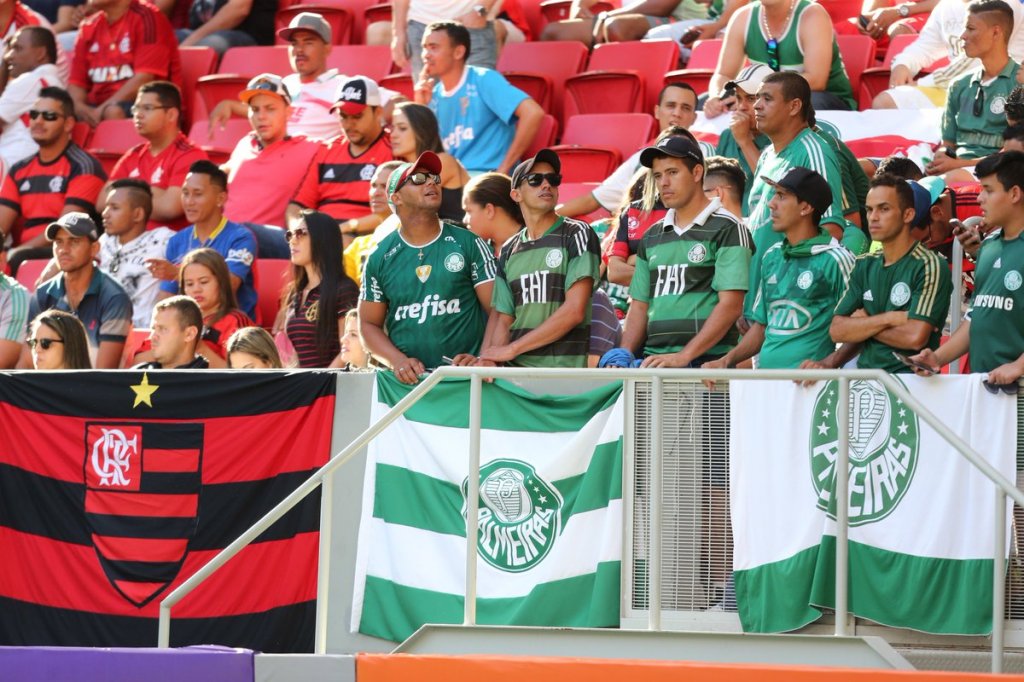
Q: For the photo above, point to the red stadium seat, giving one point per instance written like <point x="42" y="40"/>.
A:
<point x="621" y="77"/>
<point x="237" y="67"/>
<point x="271" y="276"/>
<point x="538" y="86"/>
<point x="876" y="79"/>
<point x="81" y="133"/>
<point x="841" y="10"/>
<point x="700" y="68"/>
<point x="400" y="83"/>
<point x="373" y="61"/>
<point x="29" y="271"/>
<point x="224" y="139"/>
<point x="379" y="12"/>
<point x="339" y="19"/>
<point x="623" y="132"/>
<point x="534" y="16"/>
<point x="570" y="190"/>
<point x="545" y="136"/>
<point x="593" y="145"/>
<point x="136" y="337"/>
<point x="357" y="9"/>
<point x="196" y="62"/>
<point x="858" y="53"/>
<point x="249" y="61"/>
<point x="590" y="163"/>
<point x="112" y="139"/>
<point x="556" y="60"/>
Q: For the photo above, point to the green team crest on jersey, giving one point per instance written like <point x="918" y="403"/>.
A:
<point x="884" y="446"/>
<point x="520" y="515"/>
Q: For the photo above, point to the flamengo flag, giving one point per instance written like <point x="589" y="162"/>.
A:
<point x="115" y="487"/>
<point x="550" y="537"/>
<point x="921" y="517"/>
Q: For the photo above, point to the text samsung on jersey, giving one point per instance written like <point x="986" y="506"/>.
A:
<point x="992" y="301"/>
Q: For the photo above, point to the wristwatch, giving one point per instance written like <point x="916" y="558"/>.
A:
<point x="904" y="10"/>
<point x="480" y="9"/>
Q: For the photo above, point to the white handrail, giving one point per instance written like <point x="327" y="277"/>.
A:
<point x="654" y="568"/>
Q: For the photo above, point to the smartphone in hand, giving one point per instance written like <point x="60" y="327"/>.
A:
<point x="906" y="360"/>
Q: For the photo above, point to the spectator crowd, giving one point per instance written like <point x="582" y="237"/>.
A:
<point x="422" y="224"/>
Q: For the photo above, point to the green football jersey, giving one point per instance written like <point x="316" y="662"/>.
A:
<point x="796" y="297"/>
<point x="997" y="308"/>
<point x="855" y="181"/>
<point x="430" y="292"/>
<point x="978" y="134"/>
<point x="533" y="276"/>
<point x="918" y="283"/>
<point x="679" y="276"/>
<point x="808" y="150"/>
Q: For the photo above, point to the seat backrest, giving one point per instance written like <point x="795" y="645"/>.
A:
<point x="224" y="137"/>
<point x="250" y="61"/>
<point x="115" y="136"/>
<point x="272" y="276"/>
<point x="558" y="60"/>
<point x="625" y="132"/>
<point x="357" y="8"/>
<point x="132" y="345"/>
<point x="651" y="59"/>
<point x="29" y="271"/>
<point x="373" y="61"/>
<point x="704" y="54"/>
<point x="195" y="63"/>
<point x="545" y="136"/>
<point x="841" y="10"/>
<point x="858" y="53"/>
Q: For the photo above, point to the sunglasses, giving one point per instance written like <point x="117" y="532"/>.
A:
<point x="979" y="102"/>
<point x="51" y="116"/>
<point x="45" y="343"/>
<point x="421" y="178"/>
<point x="537" y="179"/>
<point x="773" y="54"/>
<point x="297" y="233"/>
<point x="1008" y="389"/>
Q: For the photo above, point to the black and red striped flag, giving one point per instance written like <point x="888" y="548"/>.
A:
<point x="115" y="487"/>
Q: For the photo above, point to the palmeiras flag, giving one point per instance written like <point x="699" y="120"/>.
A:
<point x="116" y="487"/>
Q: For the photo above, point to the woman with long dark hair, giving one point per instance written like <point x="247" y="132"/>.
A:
<point x="58" y="341"/>
<point x="414" y="130"/>
<point x="320" y="294"/>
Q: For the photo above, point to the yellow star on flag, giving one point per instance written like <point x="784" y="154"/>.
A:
<point x="144" y="391"/>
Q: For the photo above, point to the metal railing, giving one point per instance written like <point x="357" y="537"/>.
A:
<point x="654" y="377"/>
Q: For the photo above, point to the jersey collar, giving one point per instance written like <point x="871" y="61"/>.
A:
<point x="213" y="235"/>
<point x="702" y="217"/>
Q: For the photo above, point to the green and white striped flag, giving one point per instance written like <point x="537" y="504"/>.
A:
<point x="921" y="517"/>
<point x="550" y="538"/>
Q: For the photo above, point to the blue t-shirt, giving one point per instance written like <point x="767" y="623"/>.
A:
<point x="476" y="119"/>
<point x="231" y="240"/>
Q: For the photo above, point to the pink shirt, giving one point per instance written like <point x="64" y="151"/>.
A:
<point x="261" y="181"/>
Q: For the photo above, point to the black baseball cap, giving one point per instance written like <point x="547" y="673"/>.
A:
<point x="75" y="223"/>
<point x="807" y="185"/>
<point x="543" y="156"/>
<point x="679" y="146"/>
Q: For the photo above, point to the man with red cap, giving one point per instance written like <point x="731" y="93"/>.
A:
<point x="338" y="181"/>
<point x="429" y="282"/>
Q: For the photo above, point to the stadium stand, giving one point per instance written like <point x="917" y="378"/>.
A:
<point x="111" y="140"/>
<point x="700" y="68"/>
<point x="635" y="70"/>
<point x="554" y="61"/>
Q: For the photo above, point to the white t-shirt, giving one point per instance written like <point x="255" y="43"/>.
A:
<point x="18" y="97"/>
<point x="311" y="104"/>
<point x="127" y="264"/>
<point x="429" y="11"/>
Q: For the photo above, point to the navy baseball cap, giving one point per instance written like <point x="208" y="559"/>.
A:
<point x="926" y="192"/>
<point x="681" y="147"/>
<point x="74" y="223"/>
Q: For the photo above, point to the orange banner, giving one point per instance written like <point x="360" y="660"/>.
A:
<point x="403" y="668"/>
